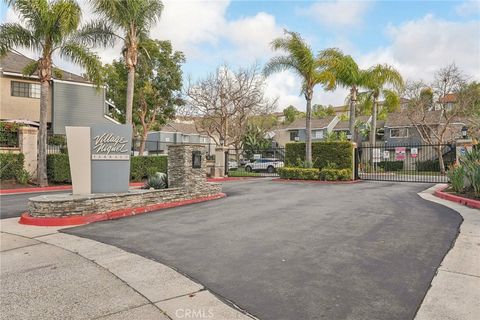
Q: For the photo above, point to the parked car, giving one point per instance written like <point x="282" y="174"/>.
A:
<point x="264" y="164"/>
<point x="232" y="164"/>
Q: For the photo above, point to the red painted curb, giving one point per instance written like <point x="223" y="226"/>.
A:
<point x="317" y="181"/>
<point x="451" y="197"/>
<point x="52" y="188"/>
<point x="94" y="217"/>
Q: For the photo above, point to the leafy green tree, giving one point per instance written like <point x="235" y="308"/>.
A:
<point x="129" y="21"/>
<point x="291" y="114"/>
<point x="255" y="141"/>
<point x="320" y="111"/>
<point x="157" y="89"/>
<point x="302" y="61"/>
<point x="50" y="27"/>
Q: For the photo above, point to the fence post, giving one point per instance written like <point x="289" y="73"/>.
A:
<point x="27" y="142"/>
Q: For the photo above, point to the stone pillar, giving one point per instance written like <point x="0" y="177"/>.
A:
<point x="27" y="138"/>
<point x="219" y="170"/>
<point x="181" y="173"/>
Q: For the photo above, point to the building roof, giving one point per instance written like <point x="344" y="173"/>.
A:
<point x="341" y="109"/>
<point x="186" y="128"/>
<point x="319" y="123"/>
<point x="404" y="119"/>
<point x="344" y="125"/>
<point x="15" y="63"/>
<point x="448" y="98"/>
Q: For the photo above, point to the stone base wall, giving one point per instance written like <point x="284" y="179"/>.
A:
<point x="79" y="205"/>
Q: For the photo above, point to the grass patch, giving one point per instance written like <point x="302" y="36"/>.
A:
<point x="242" y="173"/>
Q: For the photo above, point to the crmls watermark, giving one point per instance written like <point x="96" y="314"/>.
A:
<point x="194" y="313"/>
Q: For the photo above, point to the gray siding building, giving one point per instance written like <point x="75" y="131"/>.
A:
<point x="320" y="128"/>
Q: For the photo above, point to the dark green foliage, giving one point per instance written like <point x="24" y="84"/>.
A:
<point x="391" y="165"/>
<point x="143" y="167"/>
<point x="338" y="153"/>
<point x="431" y="165"/>
<point x="58" y="168"/>
<point x="299" y="173"/>
<point x="11" y="164"/>
<point x="329" y="174"/>
<point x="242" y="173"/>
<point x="158" y="180"/>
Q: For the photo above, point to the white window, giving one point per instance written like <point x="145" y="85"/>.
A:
<point x="186" y="139"/>
<point x="25" y="89"/>
<point x="399" y="133"/>
<point x="167" y="139"/>
<point x="318" y="134"/>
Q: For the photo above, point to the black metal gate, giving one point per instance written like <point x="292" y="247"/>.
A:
<point x="254" y="163"/>
<point x="405" y="162"/>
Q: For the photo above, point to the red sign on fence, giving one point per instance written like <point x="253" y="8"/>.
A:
<point x="400" y="153"/>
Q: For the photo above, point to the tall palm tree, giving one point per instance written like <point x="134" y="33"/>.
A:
<point x="379" y="81"/>
<point x="348" y="75"/>
<point x="49" y="27"/>
<point x="301" y="60"/>
<point x="127" y="20"/>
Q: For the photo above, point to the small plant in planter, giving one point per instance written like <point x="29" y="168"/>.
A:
<point x="157" y="181"/>
<point x="456" y="174"/>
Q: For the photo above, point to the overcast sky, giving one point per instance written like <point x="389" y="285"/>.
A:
<point x="417" y="37"/>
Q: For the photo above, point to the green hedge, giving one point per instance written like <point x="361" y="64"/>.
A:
<point x="142" y="167"/>
<point x="324" y="154"/>
<point x="431" y="165"/>
<point x="391" y="165"/>
<point x="298" y="173"/>
<point x="326" y="174"/>
<point x="58" y="168"/>
<point x="10" y="165"/>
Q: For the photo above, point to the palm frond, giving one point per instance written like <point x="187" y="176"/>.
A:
<point x="97" y="33"/>
<point x="30" y="68"/>
<point x="13" y="34"/>
<point x="82" y="56"/>
<point x="281" y="63"/>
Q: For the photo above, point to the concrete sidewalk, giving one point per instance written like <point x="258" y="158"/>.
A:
<point x="50" y="275"/>
<point x="455" y="291"/>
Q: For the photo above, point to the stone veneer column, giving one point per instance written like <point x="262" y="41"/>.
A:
<point x="28" y="146"/>
<point x="180" y="171"/>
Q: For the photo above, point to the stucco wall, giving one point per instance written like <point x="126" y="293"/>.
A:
<point x="19" y="107"/>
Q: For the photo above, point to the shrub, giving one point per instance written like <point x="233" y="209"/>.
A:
<point x="456" y="174"/>
<point x="298" y="173"/>
<point x="431" y="165"/>
<point x="471" y="164"/>
<point x="58" y="168"/>
<point x="242" y="173"/>
<point x="391" y="165"/>
<point x="345" y="174"/>
<point x="339" y="153"/>
<point x="10" y="165"/>
<point x="142" y="167"/>
<point x="157" y="181"/>
<point x="23" y="176"/>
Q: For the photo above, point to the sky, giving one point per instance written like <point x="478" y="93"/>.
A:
<point x="416" y="37"/>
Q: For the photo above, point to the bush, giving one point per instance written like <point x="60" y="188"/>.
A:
<point x="431" y="165"/>
<point x="10" y="165"/>
<point x="23" y="176"/>
<point x="391" y="165"/>
<point x="242" y="173"/>
<point x="329" y="174"/>
<point x="157" y="181"/>
<point x="58" y="168"/>
<point x="338" y="153"/>
<point x="456" y="174"/>
<point x="141" y="167"/>
<point x="471" y="164"/>
<point x="299" y="173"/>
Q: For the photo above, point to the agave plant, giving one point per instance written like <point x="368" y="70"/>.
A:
<point x="471" y="164"/>
<point x="157" y="181"/>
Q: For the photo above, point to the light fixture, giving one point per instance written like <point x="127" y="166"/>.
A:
<point x="222" y="142"/>
<point x="464" y="132"/>
<point x="349" y="135"/>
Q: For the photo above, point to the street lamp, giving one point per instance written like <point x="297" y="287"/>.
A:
<point x="349" y="135"/>
<point x="222" y="142"/>
<point x="464" y="132"/>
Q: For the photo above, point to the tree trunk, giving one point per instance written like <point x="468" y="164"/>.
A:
<point x="373" y="130"/>
<point x="351" y="122"/>
<point x="130" y="88"/>
<point x="441" y="163"/>
<point x="308" y="144"/>
<point x="42" y="135"/>
<point x="142" y="143"/>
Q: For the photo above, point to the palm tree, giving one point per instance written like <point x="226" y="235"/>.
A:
<point x="50" y="27"/>
<point x="348" y="75"/>
<point x="300" y="59"/>
<point x="377" y="80"/>
<point x="129" y="21"/>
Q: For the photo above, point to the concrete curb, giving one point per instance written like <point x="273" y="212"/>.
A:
<point x="465" y="201"/>
<point x="175" y="295"/>
<point x="455" y="289"/>
<point x="25" y="218"/>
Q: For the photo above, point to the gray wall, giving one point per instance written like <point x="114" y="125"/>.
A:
<point x="77" y="105"/>
<point x="302" y="134"/>
<point x="175" y="138"/>
<point x="413" y="137"/>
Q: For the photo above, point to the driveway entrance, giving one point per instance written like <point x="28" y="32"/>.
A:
<point x="300" y="250"/>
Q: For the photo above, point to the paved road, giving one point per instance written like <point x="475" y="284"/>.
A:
<point x="13" y="205"/>
<point x="300" y="250"/>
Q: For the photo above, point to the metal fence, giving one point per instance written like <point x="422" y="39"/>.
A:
<point x="254" y="162"/>
<point x="407" y="162"/>
<point x="9" y="139"/>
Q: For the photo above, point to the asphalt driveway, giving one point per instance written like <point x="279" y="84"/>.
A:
<point x="300" y="250"/>
<point x="13" y="205"/>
